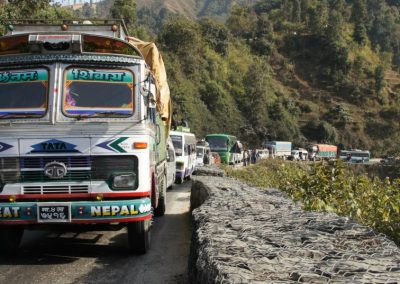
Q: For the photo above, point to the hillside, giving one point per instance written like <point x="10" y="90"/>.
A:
<point x="321" y="82"/>
<point x="302" y="70"/>
<point x="193" y="9"/>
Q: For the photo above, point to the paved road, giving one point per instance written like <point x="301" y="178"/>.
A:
<point x="101" y="257"/>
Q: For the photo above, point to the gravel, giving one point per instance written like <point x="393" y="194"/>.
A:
<point x="242" y="234"/>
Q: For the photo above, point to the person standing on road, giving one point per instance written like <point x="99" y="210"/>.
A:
<point x="253" y="156"/>
<point x="245" y="157"/>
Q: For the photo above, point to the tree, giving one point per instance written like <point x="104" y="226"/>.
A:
<point x="242" y="22"/>
<point x="296" y="13"/>
<point x="126" y="10"/>
<point x="360" y="33"/>
<point x="380" y="82"/>
<point x="28" y="7"/>
<point x="320" y="131"/>
<point x="87" y="11"/>
<point x="181" y="35"/>
<point x="318" y="18"/>
<point x="383" y="27"/>
<point x="335" y="25"/>
<point x="254" y="102"/>
<point x="263" y="41"/>
<point x="360" y="12"/>
<point x="215" y="34"/>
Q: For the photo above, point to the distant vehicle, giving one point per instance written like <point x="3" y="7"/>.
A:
<point x="263" y="153"/>
<point x="355" y="156"/>
<point x="203" y="154"/>
<point x="171" y="163"/>
<point x="185" y="151"/>
<point x="281" y="149"/>
<point x="388" y="160"/>
<point x="299" y="155"/>
<point x="322" y="151"/>
<point x="227" y="146"/>
<point x="216" y="158"/>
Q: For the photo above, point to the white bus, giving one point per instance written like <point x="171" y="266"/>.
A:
<point x="355" y="156"/>
<point x="185" y="151"/>
<point x="171" y="164"/>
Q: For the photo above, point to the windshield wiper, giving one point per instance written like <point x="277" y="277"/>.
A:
<point x="100" y="114"/>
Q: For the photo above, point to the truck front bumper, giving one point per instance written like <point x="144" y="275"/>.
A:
<point x="76" y="212"/>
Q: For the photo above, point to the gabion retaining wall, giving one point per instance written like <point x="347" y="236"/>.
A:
<point x="242" y="234"/>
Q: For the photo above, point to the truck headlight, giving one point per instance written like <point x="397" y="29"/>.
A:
<point x="124" y="181"/>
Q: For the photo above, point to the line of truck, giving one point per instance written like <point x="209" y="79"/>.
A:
<point x="315" y="152"/>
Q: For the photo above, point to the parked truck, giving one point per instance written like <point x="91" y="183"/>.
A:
<point x="322" y="151"/>
<point x="300" y="154"/>
<point x="280" y="149"/>
<point x="84" y="118"/>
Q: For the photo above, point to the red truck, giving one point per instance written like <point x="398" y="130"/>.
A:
<point x="322" y="151"/>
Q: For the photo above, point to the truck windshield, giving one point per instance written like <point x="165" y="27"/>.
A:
<point x="98" y="93"/>
<point x="218" y="143"/>
<point x="177" y="141"/>
<point x="23" y="93"/>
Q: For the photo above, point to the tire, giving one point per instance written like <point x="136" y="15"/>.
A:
<point x="139" y="236"/>
<point x="10" y="239"/>
<point x="162" y="199"/>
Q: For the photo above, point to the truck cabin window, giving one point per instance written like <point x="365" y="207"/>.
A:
<point x="218" y="143"/>
<point x="98" y="93"/>
<point x="177" y="141"/>
<point x="23" y="93"/>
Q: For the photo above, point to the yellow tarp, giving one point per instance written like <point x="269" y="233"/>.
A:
<point x="154" y="59"/>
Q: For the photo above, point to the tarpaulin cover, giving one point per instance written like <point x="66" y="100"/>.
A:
<point x="154" y="59"/>
<point x="326" y="148"/>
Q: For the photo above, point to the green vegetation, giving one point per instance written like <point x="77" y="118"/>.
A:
<point x="331" y="187"/>
<point x="301" y="70"/>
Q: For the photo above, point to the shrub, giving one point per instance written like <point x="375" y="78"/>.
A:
<point x="332" y="187"/>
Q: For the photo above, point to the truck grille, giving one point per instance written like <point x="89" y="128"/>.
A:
<point x="35" y="176"/>
<point x="46" y="189"/>
<point x="80" y="168"/>
<point x="9" y="170"/>
<point x="70" y="162"/>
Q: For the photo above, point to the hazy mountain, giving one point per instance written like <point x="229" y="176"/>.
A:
<point x="218" y="9"/>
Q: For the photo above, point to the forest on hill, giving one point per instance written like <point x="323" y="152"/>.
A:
<point x="298" y="70"/>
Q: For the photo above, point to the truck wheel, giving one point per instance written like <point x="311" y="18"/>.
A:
<point x="10" y="238"/>
<point x="139" y="236"/>
<point x="162" y="199"/>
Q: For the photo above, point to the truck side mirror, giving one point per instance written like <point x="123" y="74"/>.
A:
<point x="149" y="91"/>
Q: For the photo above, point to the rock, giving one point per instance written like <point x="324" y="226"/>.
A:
<point x="243" y="234"/>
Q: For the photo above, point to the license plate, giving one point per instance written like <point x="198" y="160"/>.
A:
<point x="54" y="212"/>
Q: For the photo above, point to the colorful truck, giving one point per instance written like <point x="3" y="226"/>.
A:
<point x="227" y="146"/>
<point x="281" y="149"/>
<point x="322" y="151"/>
<point x="84" y="118"/>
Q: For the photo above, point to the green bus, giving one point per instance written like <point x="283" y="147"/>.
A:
<point x="227" y="146"/>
